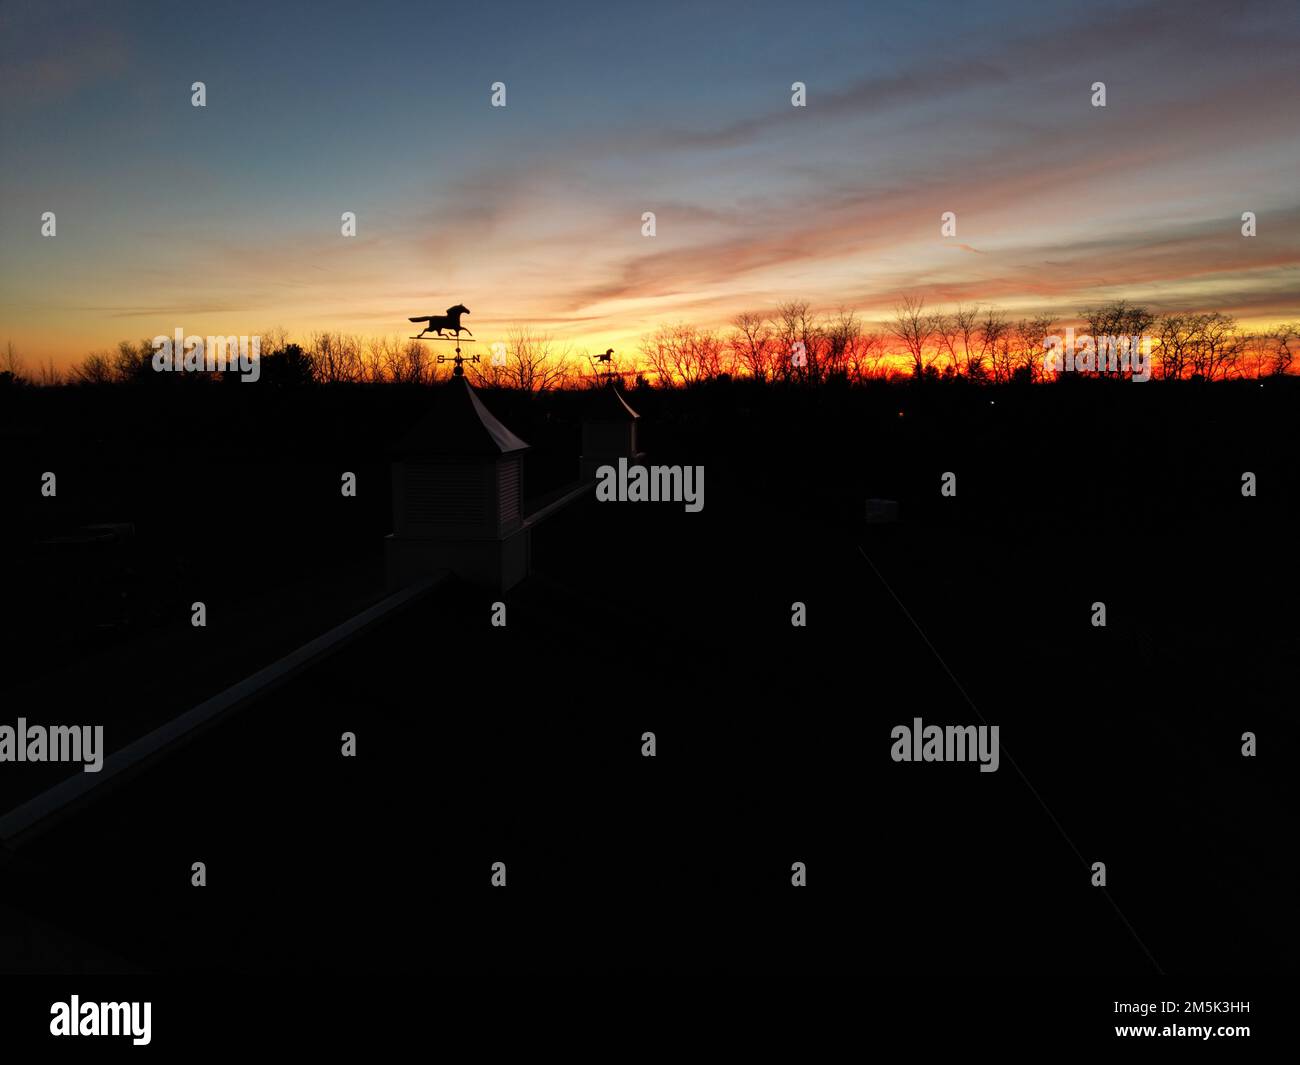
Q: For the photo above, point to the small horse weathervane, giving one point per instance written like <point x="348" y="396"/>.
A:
<point x="439" y="322"/>
<point x="451" y="320"/>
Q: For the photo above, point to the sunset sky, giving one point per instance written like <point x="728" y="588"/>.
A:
<point x="226" y="219"/>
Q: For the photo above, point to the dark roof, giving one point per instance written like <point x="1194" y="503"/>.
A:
<point x="459" y="424"/>
<point x="608" y="405"/>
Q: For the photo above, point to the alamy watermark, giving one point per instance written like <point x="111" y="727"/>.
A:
<point x="946" y="743"/>
<point x="75" y="1017"/>
<point x="58" y="743"/>
<point x="1102" y="354"/>
<point x="651" y="484"/>
<point x="221" y="353"/>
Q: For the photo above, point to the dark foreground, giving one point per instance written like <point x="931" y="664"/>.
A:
<point x="961" y="891"/>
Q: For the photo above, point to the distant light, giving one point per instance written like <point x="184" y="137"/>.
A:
<point x="900" y="413"/>
<point x="991" y="402"/>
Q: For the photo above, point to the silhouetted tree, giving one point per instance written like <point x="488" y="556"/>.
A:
<point x="1284" y="341"/>
<point x="336" y="357"/>
<point x="957" y="334"/>
<point x="751" y="344"/>
<point x="1030" y="337"/>
<point x="12" y="363"/>
<point x="95" y="369"/>
<point x="865" y="357"/>
<point x="913" y="327"/>
<point x="796" y="325"/>
<point x="842" y="335"/>
<point x="992" y="359"/>
<point x="1115" y="319"/>
<point x="289" y="367"/>
<point x="1173" y="336"/>
<point x="684" y="353"/>
<point x="534" y="362"/>
<point x="1216" y="346"/>
<point x="132" y="362"/>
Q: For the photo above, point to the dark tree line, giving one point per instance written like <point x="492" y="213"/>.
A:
<point x="792" y="344"/>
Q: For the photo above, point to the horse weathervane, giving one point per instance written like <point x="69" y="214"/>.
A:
<point x="436" y="323"/>
<point x="608" y="359"/>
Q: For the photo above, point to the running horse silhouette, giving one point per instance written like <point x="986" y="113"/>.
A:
<point x="439" y="322"/>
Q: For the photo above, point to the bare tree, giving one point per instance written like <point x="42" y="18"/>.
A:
<point x="375" y="358"/>
<point x="659" y="351"/>
<point x="683" y="353"/>
<point x="957" y="335"/>
<point x="1174" y="339"/>
<point x="913" y="328"/>
<point x="274" y="339"/>
<point x="132" y="361"/>
<point x="534" y="361"/>
<point x="751" y="344"/>
<point x="95" y="369"/>
<point x="1216" y="345"/>
<point x="991" y="357"/>
<point x="946" y="338"/>
<point x="410" y="363"/>
<point x="864" y="361"/>
<point x="1030" y="335"/>
<point x="799" y="341"/>
<point x="13" y="362"/>
<point x="843" y="335"/>
<point x="1284" y="340"/>
<point x="336" y="357"/>
<point x="1002" y="356"/>
<point x="1115" y="320"/>
<point x="489" y="372"/>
